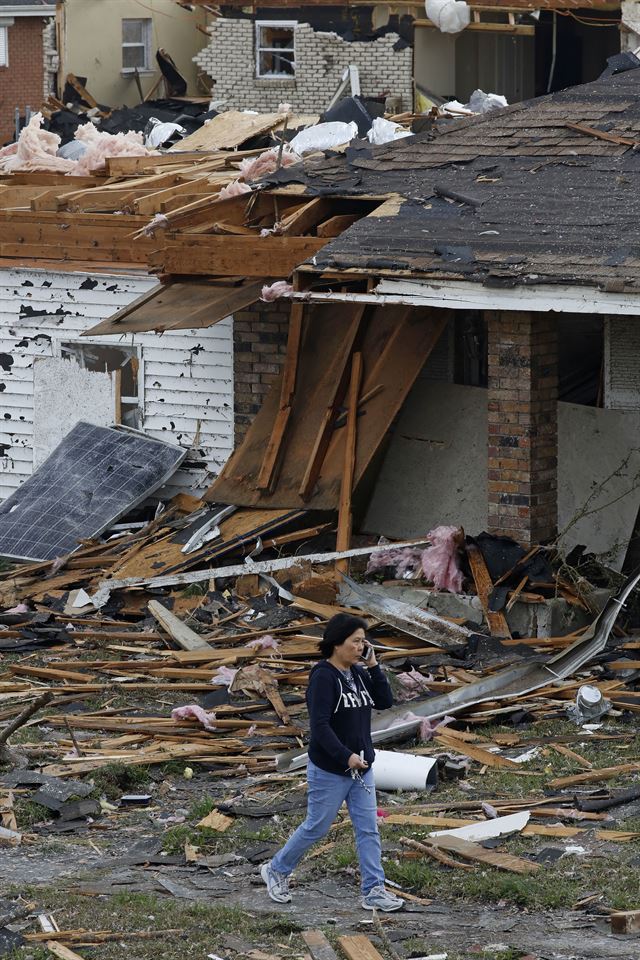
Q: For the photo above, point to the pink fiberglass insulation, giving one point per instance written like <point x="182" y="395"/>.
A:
<point x="405" y="562"/>
<point x="281" y="288"/>
<point x="224" y="676"/>
<point x="235" y="189"/>
<point x="194" y="712"/>
<point x="36" y="151"/>
<point x="412" y="685"/>
<point x="101" y="145"/>
<point x="267" y="162"/>
<point x="440" y="560"/>
<point x="427" y="727"/>
<point x="267" y="642"/>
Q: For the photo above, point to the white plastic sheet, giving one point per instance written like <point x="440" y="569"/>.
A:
<point x="324" y="136"/>
<point x="384" y="131"/>
<point x="449" y="16"/>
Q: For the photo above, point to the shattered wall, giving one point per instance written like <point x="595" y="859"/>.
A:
<point x="229" y="59"/>
<point x="185" y="381"/>
<point x="260" y="345"/>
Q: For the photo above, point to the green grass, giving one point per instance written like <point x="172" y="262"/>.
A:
<point x="200" y="926"/>
<point x="28" y="813"/>
<point x="117" y="778"/>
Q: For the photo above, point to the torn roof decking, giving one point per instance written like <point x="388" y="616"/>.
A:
<point x="515" y="196"/>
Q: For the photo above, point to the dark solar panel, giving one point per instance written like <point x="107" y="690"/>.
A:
<point x="94" y="476"/>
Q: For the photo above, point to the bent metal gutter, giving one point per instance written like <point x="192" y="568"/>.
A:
<point x="513" y="681"/>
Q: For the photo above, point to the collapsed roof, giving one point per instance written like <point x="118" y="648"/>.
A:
<point x="540" y="192"/>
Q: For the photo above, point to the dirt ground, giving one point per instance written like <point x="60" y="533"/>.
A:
<point x="127" y="871"/>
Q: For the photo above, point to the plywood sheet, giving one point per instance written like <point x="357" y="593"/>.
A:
<point x="395" y="344"/>
<point x="229" y="130"/>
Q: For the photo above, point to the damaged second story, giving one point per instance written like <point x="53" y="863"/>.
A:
<point x="260" y="56"/>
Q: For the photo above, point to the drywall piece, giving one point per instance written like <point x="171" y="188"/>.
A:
<point x="63" y="394"/>
<point x="485" y="829"/>
<point x="595" y="446"/>
<point x="435" y="470"/>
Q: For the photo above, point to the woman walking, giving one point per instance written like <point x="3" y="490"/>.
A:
<point x="340" y="697"/>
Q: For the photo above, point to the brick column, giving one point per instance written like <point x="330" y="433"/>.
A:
<point x="523" y="425"/>
<point x="259" y="348"/>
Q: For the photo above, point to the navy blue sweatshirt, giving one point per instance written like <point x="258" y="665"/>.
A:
<point x="340" y="718"/>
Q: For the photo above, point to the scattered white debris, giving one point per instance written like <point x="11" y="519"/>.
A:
<point x="324" y="136"/>
<point x="449" y="16"/>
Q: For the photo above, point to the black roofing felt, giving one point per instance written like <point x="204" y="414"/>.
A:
<point x="514" y="197"/>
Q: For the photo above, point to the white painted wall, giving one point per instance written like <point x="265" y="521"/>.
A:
<point x="186" y="376"/>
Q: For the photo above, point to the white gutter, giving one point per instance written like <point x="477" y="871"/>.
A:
<point x="461" y="295"/>
<point x="29" y="10"/>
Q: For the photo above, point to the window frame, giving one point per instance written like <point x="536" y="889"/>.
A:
<point x="145" y="43"/>
<point x="286" y="24"/>
<point x="4" y="44"/>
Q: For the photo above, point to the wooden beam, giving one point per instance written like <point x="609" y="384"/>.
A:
<point x="345" y="516"/>
<point x="318" y="945"/>
<point x="358" y="947"/>
<point x="626" y="921"/>
<point x="334" y="226"/>
<point x="275" y="448"/>
<point x="496" y="620"/>
<point x="323" y="436"/>
<point x="238" y="256"/>
<point x="185" y="638"/>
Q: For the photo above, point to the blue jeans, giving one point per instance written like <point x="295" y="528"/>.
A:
<point x="326" y="793"/>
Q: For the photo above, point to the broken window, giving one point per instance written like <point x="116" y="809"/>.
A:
<point x="136" y="45"/>
<point x="4" y="46"/>
<point x="275" y="55"/>
<point x="103" y="359"/>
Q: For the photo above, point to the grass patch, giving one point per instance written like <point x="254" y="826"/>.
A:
<point x="200" y="925"/>
<point x="118" y="778"/>
<point x="28" y="813"/>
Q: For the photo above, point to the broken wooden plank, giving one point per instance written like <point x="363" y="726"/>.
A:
<point x="625" y="921"/>
<point x="343" y="538"/>
<point x="604" y="773"/>
<point x="318" y="945"/>
<point x="434" y="854"/>
<point x="496" y="620"/>
<point x="216" y="821"/>
<point x="474" y="852"/>
<point x="177" y="630"/>
<point x="63" y="953"/>
<point x="358" y="947"/>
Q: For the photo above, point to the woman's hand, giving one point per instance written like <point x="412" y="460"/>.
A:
<point x="355" y="763"/>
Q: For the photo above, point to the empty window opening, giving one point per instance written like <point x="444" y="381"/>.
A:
<point x="123" y="360"/>
<point x="275" y="55"/>
<point x="136" y="45"/>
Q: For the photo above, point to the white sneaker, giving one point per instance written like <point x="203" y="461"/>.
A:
<point x="380" y="899"/>
<point x="277" y="884"/>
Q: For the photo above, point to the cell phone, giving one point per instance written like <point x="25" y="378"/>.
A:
<point x="367" y="652"/>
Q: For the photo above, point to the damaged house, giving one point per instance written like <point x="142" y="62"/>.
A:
<point x="28" y="60"/>
<point x="460" y="346"/>
<point x="259" y="56"/>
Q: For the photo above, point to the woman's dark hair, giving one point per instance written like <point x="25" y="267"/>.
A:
<point x="337" y="630"/>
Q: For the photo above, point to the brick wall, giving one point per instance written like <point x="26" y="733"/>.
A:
<point x="229" y="59"/>
<point x="22" y="82"/>
<point x="523" y="430"/>
<point x="259" y="348"/>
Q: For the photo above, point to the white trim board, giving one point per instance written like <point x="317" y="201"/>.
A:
<point x="458" y="295"/>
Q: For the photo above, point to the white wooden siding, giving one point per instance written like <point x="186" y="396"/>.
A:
<point x="186" y="379"/>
